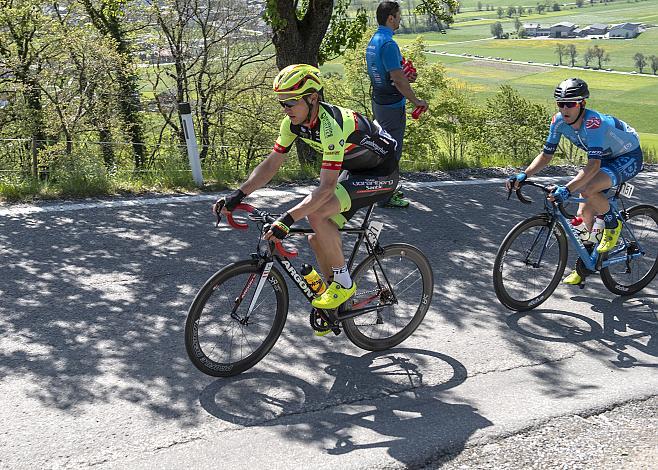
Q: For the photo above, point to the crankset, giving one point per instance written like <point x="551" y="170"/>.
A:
<point x="320" y="322"/>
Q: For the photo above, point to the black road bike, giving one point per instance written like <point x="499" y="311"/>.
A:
<point x="239" y="313"/>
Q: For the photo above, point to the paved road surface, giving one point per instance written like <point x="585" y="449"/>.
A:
<point x="93" y="369"/>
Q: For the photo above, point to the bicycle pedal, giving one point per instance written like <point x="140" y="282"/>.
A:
<point x="581" y="285"/>
<point x="336" y="330"/>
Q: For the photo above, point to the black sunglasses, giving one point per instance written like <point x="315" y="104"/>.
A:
<point x="567" y="104"/>
<point x="289" y="103"/>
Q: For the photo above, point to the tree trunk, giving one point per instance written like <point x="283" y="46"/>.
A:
<point x="109" y="24"/>
<point x="105" y="137"/>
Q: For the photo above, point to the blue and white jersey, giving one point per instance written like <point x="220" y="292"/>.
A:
<point x="602" y="136"/>
<point x="382" y="56"/>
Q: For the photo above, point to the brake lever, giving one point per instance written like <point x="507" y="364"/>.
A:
<point x="217" y="209"/>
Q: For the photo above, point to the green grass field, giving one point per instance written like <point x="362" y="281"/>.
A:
<point x="633" y="99"/>
<point x="621" y="52"/>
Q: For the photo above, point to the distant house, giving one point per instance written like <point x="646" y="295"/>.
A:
<point x="535" y="30"/>
<point x="596" y="29"/>
<point x="531" y="28"/>
<point x="562" y="30"/>
<point x="624" y="31"/>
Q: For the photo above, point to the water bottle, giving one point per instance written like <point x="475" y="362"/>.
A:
<point x="580" y="228"/>
<point x="313" y="279"/>
<point x="597" y="230"/>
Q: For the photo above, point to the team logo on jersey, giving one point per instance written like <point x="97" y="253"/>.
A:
<point x="331" y="146"/>
<point x="593" y="123"/>
<point x="342" y="142"/>
<point x="554" y="118"/>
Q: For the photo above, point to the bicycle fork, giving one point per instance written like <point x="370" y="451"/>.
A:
<point x="264" y="273"/>
<point x="537" y="263"/>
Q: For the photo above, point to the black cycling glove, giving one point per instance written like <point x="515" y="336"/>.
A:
<point x="281" y="226"/>
<point x="232" y="200"/>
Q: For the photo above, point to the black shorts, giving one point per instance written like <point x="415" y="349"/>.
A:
<point x="356" y="190"/>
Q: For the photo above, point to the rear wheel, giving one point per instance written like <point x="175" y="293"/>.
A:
<point x="221" y="338"/>
<point x="411" y="280"/>
<point x="525" y="273"/>
<point x="639" y="236"/>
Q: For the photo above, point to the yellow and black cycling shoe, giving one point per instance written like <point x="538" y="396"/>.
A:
<point x="573" y="279"/>
<point x="334" y="296"/>
<point x="610" y="238"/>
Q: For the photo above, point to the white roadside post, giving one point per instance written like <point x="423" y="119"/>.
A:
<point x="185" y="112"/>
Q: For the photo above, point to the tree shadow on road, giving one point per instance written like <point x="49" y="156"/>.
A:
<point x="377" y="400"/>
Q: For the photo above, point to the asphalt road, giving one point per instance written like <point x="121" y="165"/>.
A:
<point x="93" y="369"/>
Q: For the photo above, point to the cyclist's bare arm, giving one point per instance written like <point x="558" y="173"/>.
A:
<point x="538" y="164"/>
<point x="585" y="175"/>
<point x="402" y="84"/>
<point x="263" y="173"/>
<point x="319" y="197"/>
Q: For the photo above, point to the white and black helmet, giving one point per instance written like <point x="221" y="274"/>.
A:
<point x="571" y="89"/>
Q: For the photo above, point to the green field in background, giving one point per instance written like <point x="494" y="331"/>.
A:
<point x="631" y="98"/>
<point x="621" y="51"/>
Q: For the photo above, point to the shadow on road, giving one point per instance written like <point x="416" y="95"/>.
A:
<point x="628" y="323"/>
<point x="411" y="417"/>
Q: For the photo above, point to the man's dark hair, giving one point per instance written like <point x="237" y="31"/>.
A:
<point x="385" y="9"/>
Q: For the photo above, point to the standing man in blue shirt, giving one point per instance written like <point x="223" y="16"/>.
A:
<point x="390" y="86"/>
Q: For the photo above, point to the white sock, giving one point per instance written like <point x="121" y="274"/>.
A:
<point x="342" y="276"/>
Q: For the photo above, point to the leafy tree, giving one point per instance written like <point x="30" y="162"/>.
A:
<point x="517" y="23"/>
<point x="209" y="68"/>
<point x="556" y="6"/>
<point x="108" y="17"/>
<point x="573" y="53"/>
<point x="497" y="30"/>
<point x="511" y="11"/>
<point x="516" y="126"/>
<point x="579" y="3"/>
<point x="22" y="57"/>
<point x="479" y="6"/>
<point x="521" y="33"/>
<point x="653" y="62"/>
<point x="588" y="57"/>
<point x="599" y="54"/>
<point x="640" y="61"/>
<point x="560" y="50"/>
<point x="540" y="9"/>
<point x="520" y="10"/>
<point x="500" y="12"/>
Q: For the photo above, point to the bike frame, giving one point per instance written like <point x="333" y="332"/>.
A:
<point x="269" y="256"/>
<point x="592" y="261"/>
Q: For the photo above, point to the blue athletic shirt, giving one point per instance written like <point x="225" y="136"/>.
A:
<point x="382" y="56"/>
<point x="602" y="136"/>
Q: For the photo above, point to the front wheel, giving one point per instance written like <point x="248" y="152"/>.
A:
<point x="529" y="263"/>
<point x="221" y="338"/>
<point x="639" y="236"/>
<point x="404" y="299"/>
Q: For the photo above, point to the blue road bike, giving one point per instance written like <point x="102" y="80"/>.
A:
<point x="531" y="259"/>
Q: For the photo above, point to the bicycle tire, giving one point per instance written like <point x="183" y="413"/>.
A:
<point x="227" y="284"/>
<point x="613" y="280"/>
<point x="418" y="283"/>
<point x="505" y="292"/>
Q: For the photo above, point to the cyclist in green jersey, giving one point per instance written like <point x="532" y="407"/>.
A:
<point x="359" y="168"/>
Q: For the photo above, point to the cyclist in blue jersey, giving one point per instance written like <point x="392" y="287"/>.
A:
<point x="390" y="86"/>
<point x="613" y="152"/>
